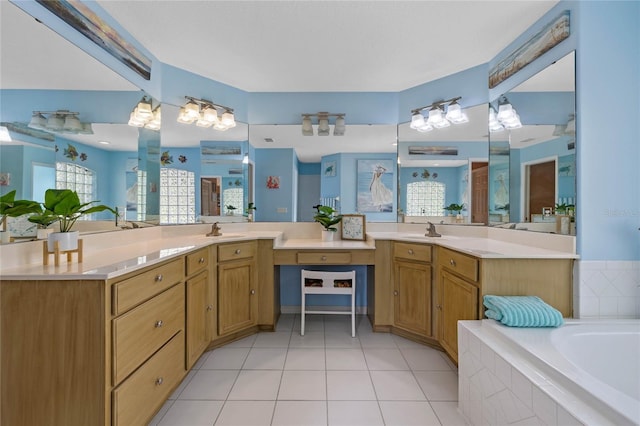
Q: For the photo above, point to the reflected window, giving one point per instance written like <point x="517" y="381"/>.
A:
<point x="425" y="198"/>
<point x="233" y="197"/>
<point x="141" y="196"/>
<point x="79" y="179"/>
<point x="177" y="196"/>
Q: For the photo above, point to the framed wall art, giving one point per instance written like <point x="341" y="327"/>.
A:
<point x="354" y="227"/>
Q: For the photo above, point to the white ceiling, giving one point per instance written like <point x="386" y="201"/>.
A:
<point x="288" y="46"/>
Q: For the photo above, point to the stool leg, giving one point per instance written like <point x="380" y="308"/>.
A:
<point x="353" y="314"/>
<point x="302" y="310"/>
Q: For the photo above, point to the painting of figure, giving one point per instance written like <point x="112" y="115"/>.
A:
<point x="375" y="180"/>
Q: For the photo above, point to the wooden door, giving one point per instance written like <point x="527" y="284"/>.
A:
<point x="412" y="297"/>
<point x="206" y="192"/>
<point x="459" y="301"/>
<point x="197" y="315"/>
<point x="479" y="192"/>
<point x="237" y="299"/>
<point x="542" y="187"/>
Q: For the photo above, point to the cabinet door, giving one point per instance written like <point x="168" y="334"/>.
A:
<point x="412" y="297"/>
<point x="197" y="316"/>
<point x="237" y="298"/>
<point x="459" y="301"/>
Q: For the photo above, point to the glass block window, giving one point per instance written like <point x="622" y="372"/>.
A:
<point x="177" y="196"/>
<point x="77" y="178"/>
<point x="142" y="195"/>
<point x="425" y="198"/>
<point x="234" y="197"/>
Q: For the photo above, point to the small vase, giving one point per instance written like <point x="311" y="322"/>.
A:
<point x="327" y="236"/>
<point x="66" y="241"/>
<point x="5" y="237"/>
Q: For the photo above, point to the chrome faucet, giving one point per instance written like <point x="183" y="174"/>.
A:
<point x="215" y="231"/>
<point x="431" y="231"/>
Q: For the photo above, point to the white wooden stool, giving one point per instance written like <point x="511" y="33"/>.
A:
<point x="322" y="282"/>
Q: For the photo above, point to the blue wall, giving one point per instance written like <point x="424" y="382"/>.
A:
<point x="275" y="162"/>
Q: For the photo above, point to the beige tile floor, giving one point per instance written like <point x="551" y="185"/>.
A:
<point x="325" y="377"/>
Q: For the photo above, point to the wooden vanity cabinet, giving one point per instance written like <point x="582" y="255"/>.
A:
<point x="237" y="287"/>
<point x="200" y="304"/>
<point x="412" y="288"/>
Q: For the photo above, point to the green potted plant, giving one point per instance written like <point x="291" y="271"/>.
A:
<point x="249" y="211"/>
<point x="64" y="205"/>
<point x="457" y="208"/>
<point x="10" y="207"/>
<point x="327" y="217"/>
<point x="43" y="220"/>
<point x="230" y="209"/>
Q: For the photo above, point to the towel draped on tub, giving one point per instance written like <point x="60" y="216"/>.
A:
<point x="522" y="311"/>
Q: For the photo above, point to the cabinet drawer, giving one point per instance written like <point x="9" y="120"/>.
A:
<point x="324" y="257"/>
<point x="464" y="265"/>
<point x="419" y="252"/>
<point x="197" y="261"/>
<point x="142" y="394"/>
<point x="135" y="290"/>
<point x="143" y="330"/>
<point x="236" y="251"/>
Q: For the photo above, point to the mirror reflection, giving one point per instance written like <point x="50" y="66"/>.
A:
<point x="532" y="179"/>
<point x="444" y="168"/>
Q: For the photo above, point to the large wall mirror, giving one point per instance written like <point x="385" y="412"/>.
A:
<point x="125" y="163"/>
<point x="443" y="167"/>
<point x="532" y="169"/>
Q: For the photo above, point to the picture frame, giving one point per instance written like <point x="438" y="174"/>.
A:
<point x="354" y="227"/>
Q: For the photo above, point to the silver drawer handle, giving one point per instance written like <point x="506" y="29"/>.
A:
<point x="323" y="258"/>
<point x="209" y="307"/>
<point x="238" y="251"/>
<point x="159" y="381"/>
<point x="159" y="324"/>
<point x="410" y="251"/>
<point x="452" y="262"/>
<point x="159" y="277"/>
<point x="201" y="260"/>
<point x="253" y="292"/>
<point x="395" y="293"/>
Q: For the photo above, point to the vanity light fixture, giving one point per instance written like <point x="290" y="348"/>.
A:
<point x="60" y="121"/>
<point x="323" y="124"/>
<point x="436" y="118"/>
<point x="507" y="115"/>
<point x="494" y="124"/>
<point x="206" y="114"/>
<point x="144" y="115"/>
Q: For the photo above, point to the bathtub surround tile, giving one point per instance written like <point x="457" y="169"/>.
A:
<point x="521" y="387"/>
<point x="503" y="370"/>
<point x="608" y="289"/>
<point x="544" y="407"/>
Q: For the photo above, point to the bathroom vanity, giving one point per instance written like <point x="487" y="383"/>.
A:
<point x="106" y="341"/>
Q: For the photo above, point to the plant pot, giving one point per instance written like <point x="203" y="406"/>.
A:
<point x="66" y="241"/>
<point x="459" y="218"/>
<point x="5" y="237"/>
<point x="250" y="217"/>
<point x="43" y="233"/>
<point x="327" y="236"/>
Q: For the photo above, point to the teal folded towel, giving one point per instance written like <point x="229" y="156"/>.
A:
<point x="522" y="311"/>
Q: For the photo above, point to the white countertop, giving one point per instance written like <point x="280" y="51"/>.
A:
<point x="109" y="258"/>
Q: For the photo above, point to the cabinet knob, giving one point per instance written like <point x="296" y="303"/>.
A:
<point x="159" y="324"/>
<point x="452" y="262"/>
<point x="201" y="260"/>
<point x="159" y="277"/>
<point x="395" y="292"/>
<point x="209" y="307"/>
<point x="410" y="251"/>
<point x="439" y="307"/>
<point x="253" y="292"/>
<point x="159" y="381"/>
<point x="323" y="258"/>
<point x="238" y="251"/>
